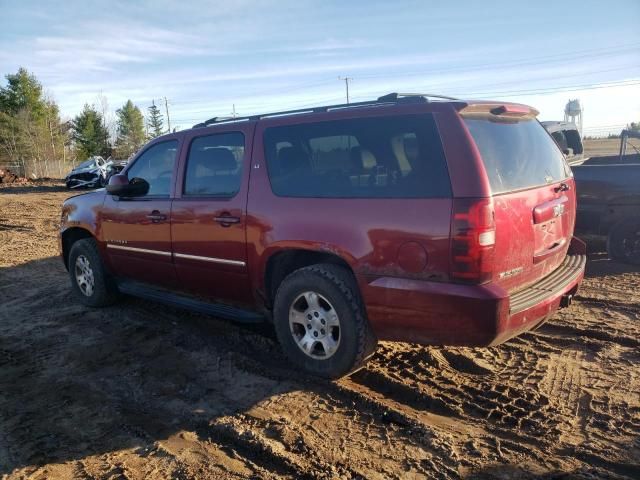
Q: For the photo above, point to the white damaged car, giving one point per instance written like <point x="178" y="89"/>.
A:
<point x="93" y="173"/>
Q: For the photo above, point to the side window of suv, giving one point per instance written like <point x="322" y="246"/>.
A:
<point x="155" y="165"/>
<point x="381" y="157"/>
<point x="214" y="165"/>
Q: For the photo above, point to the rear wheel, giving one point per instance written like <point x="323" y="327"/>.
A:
<point x="90" y="282"/>
<point x="623" y="242"/>
<point x="321" y="322"/>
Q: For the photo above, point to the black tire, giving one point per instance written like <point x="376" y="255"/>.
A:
<point x="339" y="288"/>
<point x="104" y="292"/>
<point x="623" y="241"/>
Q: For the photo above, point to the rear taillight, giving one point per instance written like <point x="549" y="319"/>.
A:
<point x="473" y="237"/>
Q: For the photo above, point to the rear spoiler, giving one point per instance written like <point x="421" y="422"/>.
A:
<point x="499" y="111"/>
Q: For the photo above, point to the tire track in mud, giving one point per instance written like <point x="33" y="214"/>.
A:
<point x="441" y="457"/>
<point x="570" y="406"/>
<point x="262" y="454"/>
<point x="573" y="332"/>
<point x="486" y="441"/>
<point x="483" y="396"/>
<point x="563" y="384"/>
<point x="604" y="303"/>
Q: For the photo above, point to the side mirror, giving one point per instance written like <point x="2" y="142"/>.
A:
<point x="120" y="186"/>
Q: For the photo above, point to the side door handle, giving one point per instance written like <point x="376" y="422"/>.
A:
<point x="156" y="217"/>
<point x="226" y="220"/>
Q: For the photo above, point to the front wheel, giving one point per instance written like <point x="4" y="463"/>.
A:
<point x="90" y="282"/>
<point x="623" y="242"/>
<point x="321" y="323"/>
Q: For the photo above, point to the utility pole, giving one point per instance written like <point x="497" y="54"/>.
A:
<point x="233" y="113"/>
<point x="166" y="109"/>
<point x="346" y="84"/>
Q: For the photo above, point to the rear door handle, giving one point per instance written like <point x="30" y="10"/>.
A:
<point x="156" y="216"/>
<point x="226" y="220"/>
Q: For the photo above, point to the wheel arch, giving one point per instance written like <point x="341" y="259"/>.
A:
<point x="69" y="237"/>
<point x="283" y="262"/>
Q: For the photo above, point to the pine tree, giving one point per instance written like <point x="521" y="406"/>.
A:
<point x="31" y="132"/>
<point x="130" y="129"/>
<point x="23" y="92"/>
<point x="89" y="135"/>
<point x="155" y="121"/>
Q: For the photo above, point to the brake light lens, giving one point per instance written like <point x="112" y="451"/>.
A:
<point x="473" y="238"/>
<point x="511" y="110"/>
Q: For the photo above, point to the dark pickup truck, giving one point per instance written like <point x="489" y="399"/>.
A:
<point x="609" y="200"/>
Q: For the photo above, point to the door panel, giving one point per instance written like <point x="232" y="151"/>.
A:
<point x="210" y="258"/>
<point x="137" y="230"/>
<point x="139" y="247"/>
<point x="208" y="217"/>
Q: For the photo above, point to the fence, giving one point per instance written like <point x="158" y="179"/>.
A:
<point x="15" y="167"/>
<point x="53" y="169"/>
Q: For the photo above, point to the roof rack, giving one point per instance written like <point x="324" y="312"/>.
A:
<point x="391" y="98"/>
<point x="395" y="97"/>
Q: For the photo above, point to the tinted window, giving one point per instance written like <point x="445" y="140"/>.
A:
<point x="517" y="155"/>
<point x="388" y="157"/>
<point x="573" y="140"/>
<point x="214" y="165"/>
<point x="155" y="165"/>
<point x="560" y="140"/>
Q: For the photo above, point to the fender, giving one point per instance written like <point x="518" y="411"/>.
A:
<point x="80" y="214"/>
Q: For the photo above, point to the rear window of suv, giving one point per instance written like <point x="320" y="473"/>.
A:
<point x="382" y="157"/>
<point x="517" y="154"/>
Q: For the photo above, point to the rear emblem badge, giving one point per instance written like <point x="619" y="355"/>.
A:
<point x="510" y="273"/>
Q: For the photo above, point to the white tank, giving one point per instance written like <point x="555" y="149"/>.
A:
<point x="573" y="113"/>
<point x="573" y="108"/>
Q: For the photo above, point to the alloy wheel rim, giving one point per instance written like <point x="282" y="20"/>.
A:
<point x="84" y="275"/>
<point x="314" y="325"/>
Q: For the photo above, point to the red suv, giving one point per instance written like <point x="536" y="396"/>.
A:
<point x="435" y="221"/>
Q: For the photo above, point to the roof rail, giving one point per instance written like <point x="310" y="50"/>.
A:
<point x="390" y="98"/>
<point x="216" y="120"/>
<point x="420" y="97"/>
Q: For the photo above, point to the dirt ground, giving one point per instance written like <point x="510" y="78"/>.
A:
<point x="607" y="146"/>
<point x="138" y="390"/>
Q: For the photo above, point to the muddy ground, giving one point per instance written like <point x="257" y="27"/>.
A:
<point x="142" y="391"/>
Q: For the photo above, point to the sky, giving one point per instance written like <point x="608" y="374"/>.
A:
<point x="205" y="56"/>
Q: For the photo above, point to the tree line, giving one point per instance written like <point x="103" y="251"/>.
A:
<point x="36" y="141"/>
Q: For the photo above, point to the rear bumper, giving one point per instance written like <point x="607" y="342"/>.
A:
<point x="448" y="314"/>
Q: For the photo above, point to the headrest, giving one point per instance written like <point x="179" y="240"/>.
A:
<point x="292" y="158"/>
<point x="217" y="159"/>
<point x="362" y="159"/>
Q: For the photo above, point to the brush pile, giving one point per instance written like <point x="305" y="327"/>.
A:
<point x="7" y="176"/>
